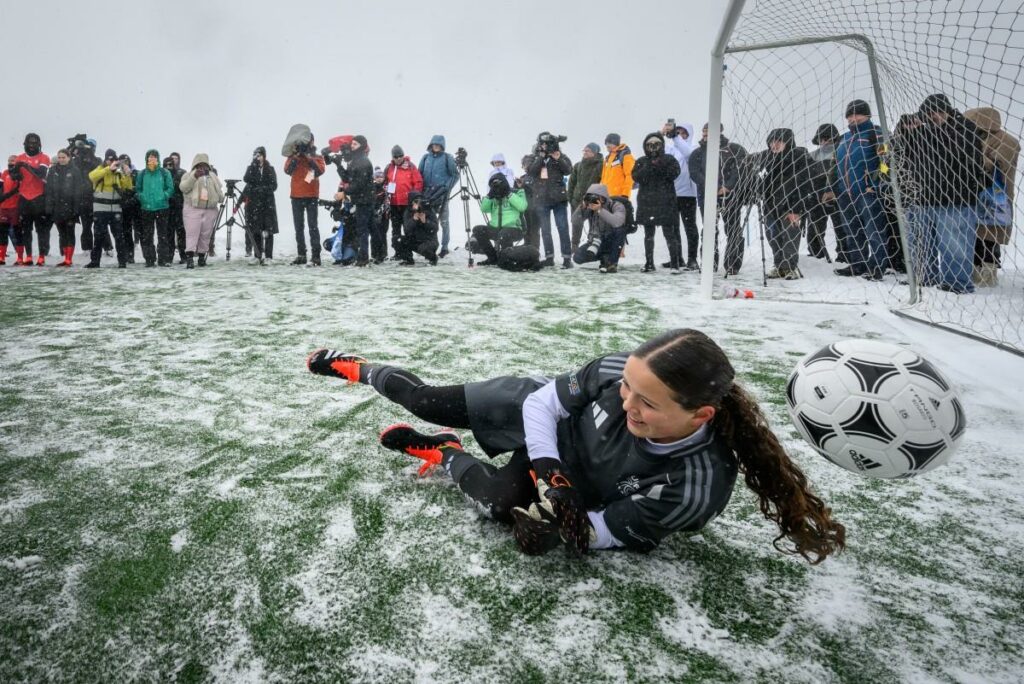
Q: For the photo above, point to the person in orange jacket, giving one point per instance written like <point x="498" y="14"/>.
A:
<point x="617" y="174"/>
<point x="305" y="167"/>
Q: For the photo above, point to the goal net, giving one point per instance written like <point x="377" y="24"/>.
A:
<point x="869" y="155"/>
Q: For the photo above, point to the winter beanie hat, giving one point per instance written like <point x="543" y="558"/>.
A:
<point x="261" y="150"/>
<point x="825" y="132"/>
<point x="613" y="139"/>
<point x="593" y="147"/>
<point x="378" y="172"/>
<point x="858" y="107"/>
<point x="109" y="154"/>
<point x="937" y="103"/>
<point x="397" y="151"/>
<point x="781" y="135"/>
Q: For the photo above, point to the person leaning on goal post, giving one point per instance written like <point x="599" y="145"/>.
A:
<point x="623" y="452"/>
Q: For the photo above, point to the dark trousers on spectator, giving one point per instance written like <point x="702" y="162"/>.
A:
<point x="486" y="236"/>
<point x="379" y="237"/>
<point x="106" y="220"/>
<point x="305" y="207"/>
<point x="734" y="243"/>
<point x="687" y="207"/>
<point x="151" y="222"/>
<point x="561" y="213"/>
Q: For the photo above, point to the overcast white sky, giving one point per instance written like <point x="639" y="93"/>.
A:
<point x="224" y="77"/>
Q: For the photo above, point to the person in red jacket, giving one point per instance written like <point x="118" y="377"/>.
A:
<point x="34" y="166"/>
<point x="9" y="200"/>
<point x="305" y="167"/>
<point x="401" y="177"/>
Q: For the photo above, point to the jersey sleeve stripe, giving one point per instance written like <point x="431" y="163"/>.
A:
<point x="689" y="482"/>
<point x="703" y="500"/>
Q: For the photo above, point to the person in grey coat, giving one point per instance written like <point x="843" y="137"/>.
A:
<point x="607" y="228"/>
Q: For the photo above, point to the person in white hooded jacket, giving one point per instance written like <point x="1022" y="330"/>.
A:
<point x="679" y="142"/>
<point x="498" y="162"/>
<point x="202" y="192"/>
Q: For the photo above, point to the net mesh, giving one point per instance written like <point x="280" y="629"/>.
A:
<point x="910" y="202"/>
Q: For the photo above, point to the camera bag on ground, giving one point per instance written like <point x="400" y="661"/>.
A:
<point x="519" y="258"/>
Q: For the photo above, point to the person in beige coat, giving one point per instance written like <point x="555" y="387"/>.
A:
<point x="1000" y="150"/>
<point x="202" y="192"/>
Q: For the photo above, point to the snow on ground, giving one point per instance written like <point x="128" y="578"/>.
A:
<point x="179" y="498"/>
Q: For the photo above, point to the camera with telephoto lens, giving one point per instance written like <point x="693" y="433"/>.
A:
<point x="591" y="198"/>
<point x="594" y="246"/>
<point x="548" y="143"/>
<point x="337" y="208"/>
<point x="420" y="204"/>
<point x="302" y="148"/>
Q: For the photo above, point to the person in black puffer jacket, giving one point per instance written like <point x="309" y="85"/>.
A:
<point x="358" y="187"/>
<point x="63" y="203"/>
<point x="260" y="207"/>
<point x="786" y="191"/>
<point x="655" y="174"/>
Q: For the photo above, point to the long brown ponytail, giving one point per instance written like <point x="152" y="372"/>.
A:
<point x="698" y="373"/>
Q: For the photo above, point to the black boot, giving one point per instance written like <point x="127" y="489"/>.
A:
<point x="299" y="260"/>
<point x="648" y="267"/>
<point x="566" y="263"/>
<point x="202" y="260"/>
<point x="190" y="260"/>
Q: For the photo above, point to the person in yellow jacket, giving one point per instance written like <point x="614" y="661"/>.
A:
<point x="109" y="180"/>
<point x="617" y="174"/>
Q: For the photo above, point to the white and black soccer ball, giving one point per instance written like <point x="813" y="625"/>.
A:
<point x="875" y="408"/>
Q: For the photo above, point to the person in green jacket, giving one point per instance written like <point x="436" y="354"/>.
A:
<point x="585" y="173"/>
<point x="503" y="208"/>
<point x="154" y="187"/>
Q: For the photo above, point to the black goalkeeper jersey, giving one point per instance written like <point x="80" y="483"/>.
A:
<point x="644" y="496"/>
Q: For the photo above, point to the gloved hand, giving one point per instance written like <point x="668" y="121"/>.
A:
<point x="563" y="502"/>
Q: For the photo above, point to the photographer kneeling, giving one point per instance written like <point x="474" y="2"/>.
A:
<point x="419" y="232"/>
<point x="607" y="229"/>
<point x="503" y="208"/>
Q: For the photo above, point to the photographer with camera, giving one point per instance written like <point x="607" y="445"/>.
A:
<point x="305" y="167"/>
<point x="203" y="195"/>
<point x="10" y="198"/>
<point x="503" y="208"/>
<point x="585" y="173"/>
<point x="440" y="174"/>
<point x="109" y="180"/>
<point x="549" y="169"/>
<point x="34" y="166"/>
<point x="606" y="234"/>
<point x="154" y="187"/>
<point x="260" y="206"/>
<point x="83" y="157"/>
<point x="63" y="203"/>
<point x="401" y="177"/>
<point x="419" y="231"/>
<point x="358" y="188"/>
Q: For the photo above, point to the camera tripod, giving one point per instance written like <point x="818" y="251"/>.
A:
<point x="467" y="189"/>
<point x="226" y="219"/>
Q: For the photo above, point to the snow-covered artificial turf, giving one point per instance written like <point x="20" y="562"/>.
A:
<point x="181" y="500"/>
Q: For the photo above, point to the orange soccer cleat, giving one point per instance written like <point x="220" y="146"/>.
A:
<point x="429" y="448"/>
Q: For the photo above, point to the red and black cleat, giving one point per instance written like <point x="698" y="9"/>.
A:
<point x="335" y="364"/>
<point x="429" y="448"/>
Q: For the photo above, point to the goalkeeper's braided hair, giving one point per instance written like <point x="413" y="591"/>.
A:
<point x="698" y="373"/>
